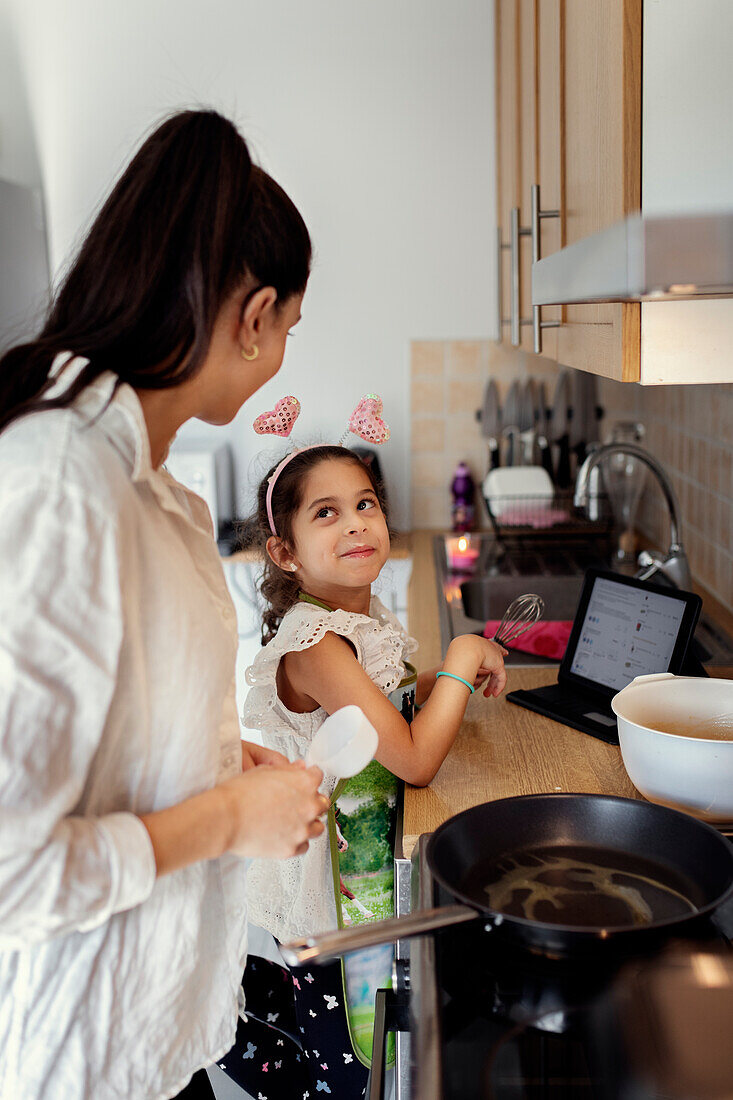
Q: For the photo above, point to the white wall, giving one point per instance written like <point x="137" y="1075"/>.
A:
<point x="376" y="117"/>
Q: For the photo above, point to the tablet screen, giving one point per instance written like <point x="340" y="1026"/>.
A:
<point x="627" y="631"/>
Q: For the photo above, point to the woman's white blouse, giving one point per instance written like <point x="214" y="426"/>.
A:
<point x="293" y="898"/>
<point x="117" y="648"/>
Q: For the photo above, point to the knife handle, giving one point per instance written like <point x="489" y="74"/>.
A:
<point x="545" y="455"/>
<point x="563" y="462"/>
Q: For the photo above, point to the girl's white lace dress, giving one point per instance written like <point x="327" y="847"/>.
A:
<point x="294" y="897"/>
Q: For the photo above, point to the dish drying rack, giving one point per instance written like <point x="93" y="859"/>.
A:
<point x="531" y="516"/>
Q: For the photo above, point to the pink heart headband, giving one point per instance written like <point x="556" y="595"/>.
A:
<point x="280" y="420"/>
<point x="365" y="421"/>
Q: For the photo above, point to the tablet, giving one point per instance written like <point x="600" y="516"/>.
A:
<point x="624" y="628"/>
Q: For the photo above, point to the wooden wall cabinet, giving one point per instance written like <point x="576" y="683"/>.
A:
<point x="601" y="74"/>
<point x="508" y="152"/>
<point x="568" y="121"/>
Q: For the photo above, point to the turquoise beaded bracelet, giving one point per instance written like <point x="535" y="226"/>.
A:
<point x="459" y="678"/>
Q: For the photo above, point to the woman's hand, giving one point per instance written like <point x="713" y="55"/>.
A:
<point x="269" y="810"/>
<point x="253" y="755"/>
<point x="274" y="812"/>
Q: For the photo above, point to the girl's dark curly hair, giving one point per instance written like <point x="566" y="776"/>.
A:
<point x="280" y="589"/>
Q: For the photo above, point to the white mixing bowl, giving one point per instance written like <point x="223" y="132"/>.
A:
<point x="694" y="774"/>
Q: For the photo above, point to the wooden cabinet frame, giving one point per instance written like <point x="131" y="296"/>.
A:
<point x="568" y="92"/>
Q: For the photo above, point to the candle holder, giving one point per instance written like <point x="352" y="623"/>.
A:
<point x="462" y="553"/>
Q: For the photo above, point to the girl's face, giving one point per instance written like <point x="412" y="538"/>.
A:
<point x="340" y="534"/>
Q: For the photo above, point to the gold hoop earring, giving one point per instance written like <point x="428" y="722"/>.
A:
<point x="249" y="356"/>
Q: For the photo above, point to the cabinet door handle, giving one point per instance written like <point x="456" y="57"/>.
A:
<point x="517" y="232"/>
<point x="537" y="215"/>
<point x="501" y="320"/>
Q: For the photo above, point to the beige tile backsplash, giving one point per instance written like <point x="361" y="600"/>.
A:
<point x="689" y="429"/>
<point x="447" y="385"/>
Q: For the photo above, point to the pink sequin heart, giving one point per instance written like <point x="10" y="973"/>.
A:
<point x="280" y="420"/>
<point x="366" y="420"/>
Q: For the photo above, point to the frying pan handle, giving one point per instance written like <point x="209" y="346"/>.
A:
<point x="330" y="945"/>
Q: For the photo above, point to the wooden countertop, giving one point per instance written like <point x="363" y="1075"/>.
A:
<point x="502" y="749"/>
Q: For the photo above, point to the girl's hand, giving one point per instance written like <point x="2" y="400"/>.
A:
<point x="274" y="812"/>
<point x="496" y="681"/>
<point x="487" y="658"/>
<point x="492" y="669"/>
<point x="253" y="755"/>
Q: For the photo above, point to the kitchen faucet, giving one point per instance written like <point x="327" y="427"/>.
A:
<point x="674" y="566"/>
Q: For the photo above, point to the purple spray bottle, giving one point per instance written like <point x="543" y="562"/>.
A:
<point x="463" y="490"/>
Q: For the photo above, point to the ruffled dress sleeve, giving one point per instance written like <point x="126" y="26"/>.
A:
<point x="381" y="644"/>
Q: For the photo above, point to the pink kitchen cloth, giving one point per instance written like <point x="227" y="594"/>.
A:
<point x="547" y="639"/>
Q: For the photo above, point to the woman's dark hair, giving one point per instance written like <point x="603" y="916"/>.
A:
<point x="280" y="589"/>
<point x="190" y="218"/>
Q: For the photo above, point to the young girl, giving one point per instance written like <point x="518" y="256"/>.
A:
<point x="329" y="643"/>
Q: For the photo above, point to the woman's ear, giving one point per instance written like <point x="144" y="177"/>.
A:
<point x="256" y="310"/>
<point x="279" y="553"/>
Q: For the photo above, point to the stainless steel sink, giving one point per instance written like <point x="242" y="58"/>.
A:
<point x="488" y="597"/>
<point x="467" y="602"/>
<point x="501" y="572"/>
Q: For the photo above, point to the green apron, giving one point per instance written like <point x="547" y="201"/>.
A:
<point x="364" y="811"/>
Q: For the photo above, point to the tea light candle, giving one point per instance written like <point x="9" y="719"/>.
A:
<point x="461" y="555"/>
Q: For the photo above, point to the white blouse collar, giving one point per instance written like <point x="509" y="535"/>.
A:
<point x="118" y="412"/>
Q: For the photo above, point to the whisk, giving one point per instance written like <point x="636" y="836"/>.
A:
<point x="522" y="613"/>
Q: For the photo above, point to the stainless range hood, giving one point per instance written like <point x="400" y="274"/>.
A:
<point x="641" y="259"/>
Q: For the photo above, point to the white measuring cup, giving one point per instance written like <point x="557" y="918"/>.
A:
<point x="344" y="744"/>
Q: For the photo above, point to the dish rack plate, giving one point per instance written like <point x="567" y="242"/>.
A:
<point x="530" y="516"/>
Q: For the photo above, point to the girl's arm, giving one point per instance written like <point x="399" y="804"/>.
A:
<point x="425" y="684"/>
<point x="426" y="681"/>
<point x="329" y="675"/>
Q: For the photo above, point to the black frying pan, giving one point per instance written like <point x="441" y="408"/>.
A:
<point x="669" y="870"/>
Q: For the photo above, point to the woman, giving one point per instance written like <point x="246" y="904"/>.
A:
<point x="126" y="795"/>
